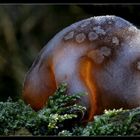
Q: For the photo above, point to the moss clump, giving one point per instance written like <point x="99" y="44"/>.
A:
<point x="13" y="116"/>
<point x="116" y="122"/>
<point x="62" y="117"/>
<point x="61" y="112"/>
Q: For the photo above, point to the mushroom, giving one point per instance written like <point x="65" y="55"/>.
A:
<point x="95" y="56"/>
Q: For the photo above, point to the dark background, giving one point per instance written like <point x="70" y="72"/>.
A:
<point x="26" y="28"/>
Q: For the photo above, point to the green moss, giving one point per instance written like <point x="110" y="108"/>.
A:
<point x="113" y="123"/>
<point x="61" y="117"/>
<point x="52" y="119"/>
<point x="13" y="115"/>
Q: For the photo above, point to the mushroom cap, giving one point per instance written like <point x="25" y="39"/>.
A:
<point x="98" y="56"/>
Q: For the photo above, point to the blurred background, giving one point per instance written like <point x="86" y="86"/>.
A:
<point x="25" y="29"/>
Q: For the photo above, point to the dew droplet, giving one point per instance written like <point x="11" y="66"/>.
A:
<point x="92" y="36"/>
<point x="80" y="37"/>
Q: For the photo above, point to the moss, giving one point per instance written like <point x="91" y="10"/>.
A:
<point x="61" y="117"/>
<point x="53" y="118"/>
